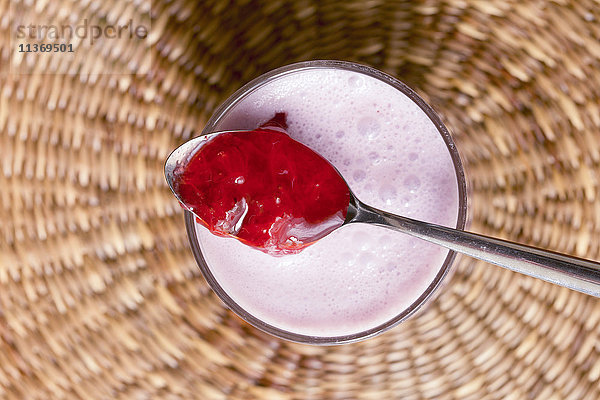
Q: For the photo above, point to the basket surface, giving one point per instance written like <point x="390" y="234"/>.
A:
<point x="100" y="296"/>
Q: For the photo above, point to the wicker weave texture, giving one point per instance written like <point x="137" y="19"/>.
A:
<point x="100" y="297"/>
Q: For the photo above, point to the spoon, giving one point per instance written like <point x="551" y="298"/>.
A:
<point x="564" y="270"/>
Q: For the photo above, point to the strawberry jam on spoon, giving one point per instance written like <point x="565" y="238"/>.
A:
<point x="263" y="188"/>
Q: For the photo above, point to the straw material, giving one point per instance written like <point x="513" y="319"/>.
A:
<point x="100" y="297"/>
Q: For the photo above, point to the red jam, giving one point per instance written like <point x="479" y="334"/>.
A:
<point x="264" y="188"/>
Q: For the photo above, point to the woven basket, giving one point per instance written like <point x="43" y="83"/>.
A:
<point x="100" y="297"/>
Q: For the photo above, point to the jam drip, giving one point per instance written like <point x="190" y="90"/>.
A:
<point x="264" y="188"/>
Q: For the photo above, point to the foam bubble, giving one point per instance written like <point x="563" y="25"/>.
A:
<point x="355" y="81"/>
<point x="359" y="175"/>
<point x="368" y="127"/>
<point x="412" y="183"/>
<point x="387" y="193"/>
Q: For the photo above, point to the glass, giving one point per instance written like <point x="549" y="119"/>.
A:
<point x="238" y="96"/>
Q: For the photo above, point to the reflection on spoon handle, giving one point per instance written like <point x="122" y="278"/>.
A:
<point x="571" y="272"/>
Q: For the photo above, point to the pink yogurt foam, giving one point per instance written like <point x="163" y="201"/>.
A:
<point x="393" y="158"/>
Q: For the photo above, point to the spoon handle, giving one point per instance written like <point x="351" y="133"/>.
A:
<point x="571" y="272"/>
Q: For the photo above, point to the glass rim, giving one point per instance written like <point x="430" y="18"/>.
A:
<point x="254" y="84"/>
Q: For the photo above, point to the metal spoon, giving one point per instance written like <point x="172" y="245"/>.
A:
<point x="568" y="271"/>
